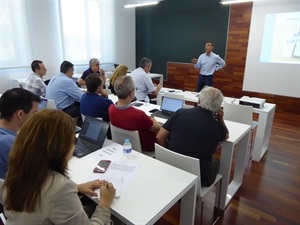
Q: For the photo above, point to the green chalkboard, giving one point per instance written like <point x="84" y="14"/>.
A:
<point x="176" y="30"/>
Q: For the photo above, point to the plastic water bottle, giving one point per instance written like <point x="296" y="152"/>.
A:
<point x="147" y="100"/>
<point x="127" y="149"/>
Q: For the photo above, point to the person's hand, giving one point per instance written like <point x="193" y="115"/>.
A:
<point x="89" y="187"/>
<point x="159" y="86"/>
<point x="102" y="72"/>
<point x="107" y="194"/>
<point x="194" y="60"/>
<point x="219" y="115"/>
<point x="104" y="93"/>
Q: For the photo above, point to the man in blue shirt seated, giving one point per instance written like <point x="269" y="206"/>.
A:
<point x="64" y="91"/>
<point x="94" y="102"/>
<point x="16" y="106"/>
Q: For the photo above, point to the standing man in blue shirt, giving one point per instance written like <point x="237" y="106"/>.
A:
<point x="208" y="63"/>
<point x="16" y="106"/>
<point x="64" y="91"/>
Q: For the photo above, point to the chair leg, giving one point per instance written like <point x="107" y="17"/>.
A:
<point x="201" y="215"/>
<point x="219" y="200"/>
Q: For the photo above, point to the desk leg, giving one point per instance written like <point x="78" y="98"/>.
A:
<point x="263" y="133"/>
<point x="225" y="167"/>
<point x="242" y="148"/>
<point x="158" y="98"/>
<point x="161" y="80"/>
<point x="188" y="206"/>
<point x="228" y="190"/>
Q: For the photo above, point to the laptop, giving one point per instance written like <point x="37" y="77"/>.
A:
<point x="168" y="107"/>
<point x="91" y="137"/>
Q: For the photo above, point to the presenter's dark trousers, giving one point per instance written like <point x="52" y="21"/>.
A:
<point x="204" y="80"/>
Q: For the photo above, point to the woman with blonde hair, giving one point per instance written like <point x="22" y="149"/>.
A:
<point x="37" y="189"/>
<point x="121" y="70"/>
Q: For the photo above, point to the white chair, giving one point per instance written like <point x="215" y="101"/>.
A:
<point x="2" y="218"/>
<point x="241" y="114"/>
<point x="191" y="165"/>
<point x="51" y="104"/>
<point x="15" y="84"/>
<point x="119" y="135"/>
<point x="82" y="117"/>
<point x="168" y="94"/>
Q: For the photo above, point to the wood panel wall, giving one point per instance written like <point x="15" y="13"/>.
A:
<point x="230" y="79"/>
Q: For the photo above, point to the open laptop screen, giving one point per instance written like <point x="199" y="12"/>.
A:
<point x="94" y="130"/>
<point x="171" y="104"/>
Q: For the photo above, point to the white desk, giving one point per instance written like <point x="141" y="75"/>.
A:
<point x="238" y="137"/>
<point x="160" y="77"/>
<point x="263" y="130"/>
<point x="153" y="190"/>
<point x="264" y="126"/>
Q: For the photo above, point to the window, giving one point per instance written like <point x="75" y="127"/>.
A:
<point x="15" y="50"/>
<point x="83" y="25"/>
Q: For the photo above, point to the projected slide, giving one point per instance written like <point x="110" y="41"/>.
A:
<point x="273" y="54"/>
<point x="281" y="38"/>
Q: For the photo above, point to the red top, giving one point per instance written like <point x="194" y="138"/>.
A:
<point x="133" y="119"/>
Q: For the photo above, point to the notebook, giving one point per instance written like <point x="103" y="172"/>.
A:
<point x="91" y="137"/>
<point x="168" y="107"/>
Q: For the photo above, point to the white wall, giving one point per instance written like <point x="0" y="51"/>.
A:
<point x="45" y="37"/>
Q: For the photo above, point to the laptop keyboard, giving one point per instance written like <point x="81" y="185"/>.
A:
<point x="161" y="115"/>
<point x="83" y="147"/>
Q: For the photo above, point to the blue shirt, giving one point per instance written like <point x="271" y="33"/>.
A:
<point x="208" y="64"/>
<point x="94" y="105"/>
<point x="63" y="90"/>
<point x="7" y="138"/>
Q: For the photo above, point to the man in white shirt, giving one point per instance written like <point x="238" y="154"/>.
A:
<point x="142" y="80"/>
<point x="35" y="83"/>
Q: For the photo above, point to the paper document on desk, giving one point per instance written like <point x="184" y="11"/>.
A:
<point x="117" y="182"/>
<point x="120" y="172"/>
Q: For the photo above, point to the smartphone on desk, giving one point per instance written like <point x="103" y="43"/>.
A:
<point x="102" y="166"/>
